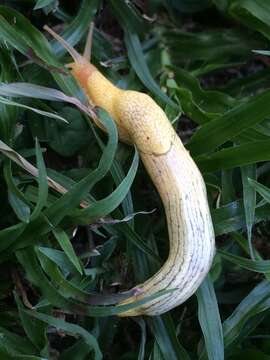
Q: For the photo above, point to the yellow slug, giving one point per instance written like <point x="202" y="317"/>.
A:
<point x="142" y="122"/>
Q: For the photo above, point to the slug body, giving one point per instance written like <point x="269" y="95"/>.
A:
<point x="142" y="122"/>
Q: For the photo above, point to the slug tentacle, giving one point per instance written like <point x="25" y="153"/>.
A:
<point x="181" y="187"/>
<point x="88" y="44"/>
<point x="72" y="52"/>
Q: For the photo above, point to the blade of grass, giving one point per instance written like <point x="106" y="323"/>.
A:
<point x="260" y="266"/>
<point x="231" y="124"/>
<point x="264" y="191"/>
<point x="105" y="206"/>
<point x="256" y="302"/>
<point x="135" y="53"/>
<point x="78" y="27"/>
<point x="210" y="322"/>
<point x="42" y="183"/>
<point x="70" y="328"/>
<point x="235" y="156"/>
<point x="249" y="198"/>
<point x="40" y="112"/>
<point x="65" y="244"/>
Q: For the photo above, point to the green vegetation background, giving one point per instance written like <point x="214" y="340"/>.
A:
<point x="66" y="257"/>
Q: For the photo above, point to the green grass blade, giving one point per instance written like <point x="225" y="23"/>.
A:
<point x="70" y="328"/>
<point x="40" y="4"/>
<point x="35" y="329"/>
<point x="249" y="198"/>
<point x="30" y="39"/>
<point x="78" y="27"/>
<point x="70" y="200"/>
<point x="212" y="102"/>
<point x="65" y="244"/>
<point x="231" y="217"/>
<point x="256" y="302"/>
<point x="15" y="345"/>
<point x="232" y="157"/>
<point x="136" y="55"/>
<point x="260" y="266"/>
<point x="43" y="113"/>
<point x="231" y="124"/>
<point x="9" y="235"/>
<point x="254" y="14"/>
<point x="105" y="206"/>
<point x="263" y="190"/>
<point x="209" y="318"/>
<point x="42" y="183"/>
<point x="164" y="332"/>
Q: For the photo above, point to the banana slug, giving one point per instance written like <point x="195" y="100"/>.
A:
<point x="142" y="122"/>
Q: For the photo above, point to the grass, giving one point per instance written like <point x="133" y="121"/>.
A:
<point x="77" y="222"/>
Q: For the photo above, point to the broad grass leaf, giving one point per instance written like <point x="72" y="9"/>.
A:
<point x="249" y="198"/>
<point x="256" y="302"/>
<point x="231" y="217"/>
<point x="141" y="323"/>
<point x="34" y="329"/>
<point x="15" y="344"/>
<point x="10" y="234"/>
<point x="247" y="85"/>
<point x="260" y="266"/>
<point x="59" y="258"/>
<point x="68" y="139"/>
<point x="40" y="112"/>
<point x="65" y="244"/>
<point x="17" y="200"/>
<point x="105" y="206"/>
<point x="66" y="288"/>
<point x="42" y="184"/>
<point x="241" y="241"/>
<point x="70" y="328"/>
<point x="24" y="36"/>
<point x="253" y="13"/>
<point x="123" y="228"/>
<point x="234" y="156"/>
<point x="231" y="124"/>
<point x="156" y="353"/>
<point x="163" y="330"/>
<point x="212" y="102"/>
<point x="78" y="351"/>
<point x="77" y="28"/>
<point x="42" y="4"/>
<point x="35" y="274"/>
<point x="118" y="175"/>
<point x="60" y="208"/>
<point x="20" y="208"/>
<point x="263" y="190"/>
<point x="211" y="49"/>
<point x="136" y="55"/>
<point x="210" y="322"/>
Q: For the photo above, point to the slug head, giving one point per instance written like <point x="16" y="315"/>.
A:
<point x="81" y="68"/>
<point x="99" y="90"/>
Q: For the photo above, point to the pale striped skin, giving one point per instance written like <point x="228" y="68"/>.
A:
<point x="182" y="190"/>
<point x="181" y="187"/>
<point x="142" y="122"/>
<point x="190" y="229"/>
